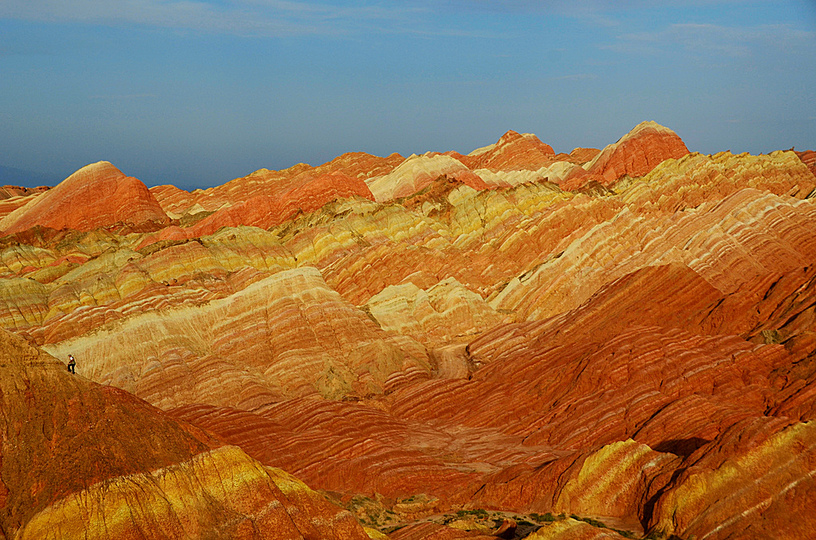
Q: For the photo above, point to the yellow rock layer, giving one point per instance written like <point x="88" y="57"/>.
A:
<point x="219" y="494"/>
<point x="445" y="312"/>
<point x="769" y="484"/>
<point x="286" y="335"/>
<point x="571" y="529"/>
<point x="726" y="242"/>
<point x="611" y="480"/>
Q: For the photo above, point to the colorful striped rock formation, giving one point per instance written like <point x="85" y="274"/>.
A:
<point x="82" y="460"/>
<point x="96" y="196"/>
<point x="513" y="342"/>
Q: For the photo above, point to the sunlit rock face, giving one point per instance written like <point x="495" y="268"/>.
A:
<point x="417" y="172"/>
<point x="625" y="335"/>
<point x="283" y="336"/>
<point x="755" y="481"/>
<point x="13" y="197"/>
<point x="192" y="206"/>
<point x="82" y="460"/>
<point x="637" y="153"/>
<point x="98" y="195"/>
<point x="512" y="151"/>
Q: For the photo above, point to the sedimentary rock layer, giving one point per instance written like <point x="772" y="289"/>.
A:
<point x="98" y="195"/>
<point x="625" y="334"/>
<point x="637" y="152"/>
<point x="283" y="336"/>
<point x="82" y="460"/>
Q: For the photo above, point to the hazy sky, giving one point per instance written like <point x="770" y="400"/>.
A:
<point x="197" y="92"/>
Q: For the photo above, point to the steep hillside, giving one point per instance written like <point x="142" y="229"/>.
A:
<point x="98" y="195"/>
<point x="81" y="460"/>
<point x="623" y="336"/>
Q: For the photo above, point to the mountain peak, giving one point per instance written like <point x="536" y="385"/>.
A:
<point x="512" y="151"/>
<point x="97" y="195"/>
<point x="638" y="152"/>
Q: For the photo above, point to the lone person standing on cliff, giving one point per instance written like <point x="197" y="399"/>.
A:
<point x="71" y="363"/>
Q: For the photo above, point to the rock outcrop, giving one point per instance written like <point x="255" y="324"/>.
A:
<point x="512" y="151"/>
<point x="617" y="340"/>
<point x="96" y="196"/>
<point x="80" y="460"/>
<point x="283" y="336"/>
<point x="637" y="153"/>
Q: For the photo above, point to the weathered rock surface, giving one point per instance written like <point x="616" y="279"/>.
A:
<point x="445" y="313"/>
<point x="80" y="460"/>
<point x="625" y="335"/>
<point x="14" y="197"/>
<point x="98" y="195"/>
<point x="182" y="204"/>
<point x="572" y="529"/>
<point x="512" y="151"/>
<point x="417" y="172"/>
<point x="284" y="336"/>
<point x="808" y="157"/>
<point x="433" y="531"/>
<point x="765" y="467"/>
<point x="637" y="152"/>
<point x="10" y="192"/>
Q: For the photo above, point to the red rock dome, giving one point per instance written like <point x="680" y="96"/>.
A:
<point x="97" y="195"/>
<point x="637" y="152"/>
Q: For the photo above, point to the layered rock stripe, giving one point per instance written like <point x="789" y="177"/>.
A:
<point x="596" y="333"/>
<point x="80" y="460"/>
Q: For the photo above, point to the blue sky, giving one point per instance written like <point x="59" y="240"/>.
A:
<point x="196" y="92"/>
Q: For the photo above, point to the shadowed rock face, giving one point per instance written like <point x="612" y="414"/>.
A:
<point x="626" y="335"/>
<point x="54" y="422"/>
<point x="80" y="459"/>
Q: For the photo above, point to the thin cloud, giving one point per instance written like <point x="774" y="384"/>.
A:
<point x="711" y="38"/>
<point x="123" y="97"/>
<point x="600" y="10"/>
<point x="244" y="17"/>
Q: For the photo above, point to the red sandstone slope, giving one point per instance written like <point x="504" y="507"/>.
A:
<point x="808" y="157"/>
<point x="98" y="195"/>
<point x="80" y="459"/>
<point x="512" y="151"/>
<point x="637" y="153"/>
<point x="644" y="354"/>
<point x="304" y="194"/>
<point x="263" y="182"/>
<point x="560" y="416"/>
<point x="273" y="205"/>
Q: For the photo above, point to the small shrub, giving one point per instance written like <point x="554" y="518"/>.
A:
<point x="478" y="512"/>
<point x="546" y="518"/>
<point x="590" y="521"/>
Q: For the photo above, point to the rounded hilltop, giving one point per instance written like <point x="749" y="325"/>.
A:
<point x="97" y="195"/>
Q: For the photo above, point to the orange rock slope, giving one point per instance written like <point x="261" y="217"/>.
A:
<point x="81" y="460"/>
<point x="622" y="336"/>
<point x="96" y="196"/>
